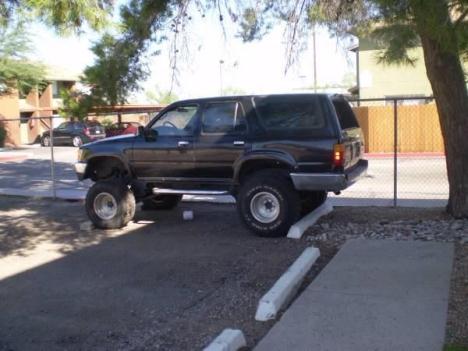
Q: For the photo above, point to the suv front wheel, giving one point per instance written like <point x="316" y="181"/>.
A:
<point x="110" y="204"/>
<point x="268" y="203"/>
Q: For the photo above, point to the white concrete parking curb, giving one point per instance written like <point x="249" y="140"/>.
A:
<point x="228" y="340"/>
<point x="286" y="286"/>
<point x="297" y="229"/>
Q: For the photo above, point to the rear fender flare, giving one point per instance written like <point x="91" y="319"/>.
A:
<point x="279" y="157"/>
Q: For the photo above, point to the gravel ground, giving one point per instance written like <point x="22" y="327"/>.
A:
<point x="344" y="223"/>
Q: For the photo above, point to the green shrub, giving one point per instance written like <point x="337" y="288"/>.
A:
<point x="107" y="122"/>
<point x="3" y="134"/>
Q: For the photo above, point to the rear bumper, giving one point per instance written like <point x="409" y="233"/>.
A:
<point x="80" y="169"/>
<point x="329" y="181"/>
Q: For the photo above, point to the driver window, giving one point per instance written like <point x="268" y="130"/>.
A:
<point x="178" y="121"/>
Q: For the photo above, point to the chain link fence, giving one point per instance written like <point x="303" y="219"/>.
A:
<point x="403" y="139"/>
<point x="405" y="149"/>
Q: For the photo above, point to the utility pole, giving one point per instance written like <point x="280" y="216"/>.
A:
<point x="221" y="77"/>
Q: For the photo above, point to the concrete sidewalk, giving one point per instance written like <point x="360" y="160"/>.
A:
<point x="374" y="295"/>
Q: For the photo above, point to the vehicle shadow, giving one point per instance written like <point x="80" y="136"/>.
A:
<point x="167" y="285"/>
<point x="32" y="169"/>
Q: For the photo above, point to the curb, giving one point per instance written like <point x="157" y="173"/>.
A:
<point x="228" y="340"/>
<point x="8" y="156"/>
<point x="297" y="229"/>
<point x="286" y="286"/>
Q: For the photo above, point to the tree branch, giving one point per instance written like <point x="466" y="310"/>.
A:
<point x="461" y="18"/>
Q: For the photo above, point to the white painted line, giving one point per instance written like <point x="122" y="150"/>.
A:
<point x="297" y="229"/>
<point x="286" y="286"/>
<point x="228" y="340"/>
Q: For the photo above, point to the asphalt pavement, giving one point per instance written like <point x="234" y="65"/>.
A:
<point x="161" y="283"/>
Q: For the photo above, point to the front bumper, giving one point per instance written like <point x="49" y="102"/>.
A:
<point x="329" y="181"/>
<point x="80" y="169"/>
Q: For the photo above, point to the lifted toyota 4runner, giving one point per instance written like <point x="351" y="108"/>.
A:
<point x="278" y="155"/>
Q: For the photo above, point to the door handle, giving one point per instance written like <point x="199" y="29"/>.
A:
<point x="239" y="143"/>
<point x="183" y="144"/>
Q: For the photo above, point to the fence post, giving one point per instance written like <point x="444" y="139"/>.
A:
<point x="52" y="162"/>
<point x="395" y="152"/>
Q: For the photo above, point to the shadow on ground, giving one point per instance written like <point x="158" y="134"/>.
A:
<point x="167" y="285"/>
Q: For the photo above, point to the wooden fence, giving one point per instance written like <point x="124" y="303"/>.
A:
<point x="418" y="128"/>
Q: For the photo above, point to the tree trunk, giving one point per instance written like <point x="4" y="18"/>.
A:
<point x="445" y="73"/>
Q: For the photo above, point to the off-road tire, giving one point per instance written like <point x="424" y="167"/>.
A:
<point x="277" y="183"/>
<point x="161" y="202"/>
<point x="310" y="200"/>
<point x="125" y="204"/>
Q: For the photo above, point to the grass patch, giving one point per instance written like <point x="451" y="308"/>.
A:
<point x="455" y="348"/>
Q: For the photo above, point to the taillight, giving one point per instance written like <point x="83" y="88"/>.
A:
<point x="338" y="155"/>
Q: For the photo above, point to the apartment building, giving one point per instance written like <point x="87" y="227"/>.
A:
<point x="16" y="111"/>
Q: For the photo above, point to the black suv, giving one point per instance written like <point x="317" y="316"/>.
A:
<point x="278" y="155"/>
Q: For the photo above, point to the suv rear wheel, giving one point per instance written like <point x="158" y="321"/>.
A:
<point x="161" y="202"/>
<point x="268" y="203"/>
<point x="110" y="204"/>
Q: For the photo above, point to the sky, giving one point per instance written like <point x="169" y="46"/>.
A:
<point x="250" y="68"/>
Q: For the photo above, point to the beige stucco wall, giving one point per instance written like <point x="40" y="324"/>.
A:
<point x="9" y="109"/>
<point x="378" y="80"/>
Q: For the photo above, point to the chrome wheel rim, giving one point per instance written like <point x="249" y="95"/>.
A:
<point x="46" y="141"/>
<point x="265" y="207"/>
<point x="77" y="141"/>
<point x="105" y="206"/>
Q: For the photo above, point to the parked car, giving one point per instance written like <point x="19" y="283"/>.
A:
<point x="74" y="133"/>
<point x="122" y="128"/>
<point x="278" y="155"/>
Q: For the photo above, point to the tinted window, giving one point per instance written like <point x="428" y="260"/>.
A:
<point x="345" y="114"/>
<point x="178" y="121"/>
<point x="63" y="125"/>
<point x="223" y="118"/>
<point x="290" y="113"/>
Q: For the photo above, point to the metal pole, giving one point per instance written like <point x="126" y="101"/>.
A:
<point x="358" y="78"/>
<point x="315" y="59"/>
<point x="52" y="162"/>
<point x="395" y="153"/>
<point x="221" y="77"/>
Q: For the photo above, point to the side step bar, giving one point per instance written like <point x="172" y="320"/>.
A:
<point x="160" y="191"/>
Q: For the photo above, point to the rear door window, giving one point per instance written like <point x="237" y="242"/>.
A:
<point x="345" y="114"/>
<point x="290" y="113"/>
<point x="223" y="118"/>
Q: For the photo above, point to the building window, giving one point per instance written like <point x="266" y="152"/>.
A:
<point x="25" y="116"/>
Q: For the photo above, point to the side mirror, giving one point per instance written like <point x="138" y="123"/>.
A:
<point x="148" y="133"/>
